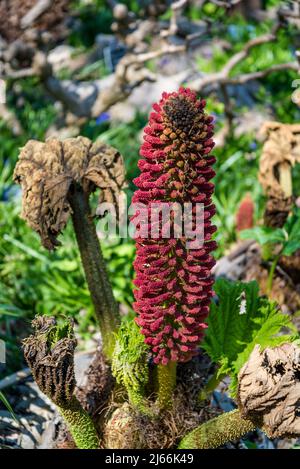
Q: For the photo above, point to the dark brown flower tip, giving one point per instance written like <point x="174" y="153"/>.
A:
<point x="47" y="171"/>
<point x="269" y="390"/>
<point x="49" y="353"/>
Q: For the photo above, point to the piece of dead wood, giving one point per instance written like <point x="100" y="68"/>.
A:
<point x="37" y="10"/>
<point x="19" y="15"/>
<point x="269" y="390"/>
<point x="15" y="378"/>
<point x="224" y="76"/>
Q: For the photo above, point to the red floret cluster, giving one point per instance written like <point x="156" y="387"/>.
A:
<point x="174" y="282"/>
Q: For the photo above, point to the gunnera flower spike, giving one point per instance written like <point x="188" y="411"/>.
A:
<point x="49" y="353"/>
<point x="57" y="178"/>
<point x="173" y="280"/>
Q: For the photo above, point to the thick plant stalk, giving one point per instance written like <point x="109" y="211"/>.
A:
<point x="140" y="403"/>
<point x="80" y="425"/>
<point x="226" y="427"/>
<point x="106" y="308"/>
<point x="271" y="274"/>
<point x="166" y="377"/>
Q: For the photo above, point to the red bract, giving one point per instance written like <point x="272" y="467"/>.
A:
<point x="174" y="282"/>
<point x="245" y="214"/>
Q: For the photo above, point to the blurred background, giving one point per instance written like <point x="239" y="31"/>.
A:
<point x="94" y="68"/>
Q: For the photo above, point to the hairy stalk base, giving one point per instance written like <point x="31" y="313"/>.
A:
<point x="80" y="425"/>
<point x="226" y="427"/>
<point x="166" y="376"/>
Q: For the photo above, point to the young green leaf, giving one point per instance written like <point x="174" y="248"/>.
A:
<point x="239" y="320"/>
<point x="270" y="321"/>
<point x="290" y="247"/>
<point x="4" y="400"/>
<point x="264" y="235"/>
<point x="129" y="363"/>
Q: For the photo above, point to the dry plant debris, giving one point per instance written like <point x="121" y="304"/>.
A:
<point x="46" y="172"/>
<point x="269" y="390"/>
<point x="281" y="151"/>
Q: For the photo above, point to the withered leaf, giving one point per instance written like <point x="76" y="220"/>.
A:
<point x="269" y="389"/>
<point x="46" y="172"/>
<point x="281" y="148"/>
<point x="52" y="365"/>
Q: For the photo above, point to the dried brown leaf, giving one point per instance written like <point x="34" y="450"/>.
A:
<point x="46" y="172"/>
<point x="281" y="148"/>
<point x="52" y="365"/>
<point x="269" y="390"/>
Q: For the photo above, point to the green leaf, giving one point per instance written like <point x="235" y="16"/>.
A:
<point x="8" y="406"/>
<point x="129" y="363"/>
<point x="264" y="235"/>
<point x="292" y="227"/>
<point x="269" y="323"/>
<point x="65" y="265"/>
<point x="290" y="247"/>
<point x="240" y="320"/>
<point x="227" y="328"/>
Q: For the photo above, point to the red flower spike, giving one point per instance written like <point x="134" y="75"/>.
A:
<point x="245" y="214"/>
<point x="174" y="281"/>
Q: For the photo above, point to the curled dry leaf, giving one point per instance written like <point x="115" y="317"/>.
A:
<point x="269" y="390"/>
<point x="51" y="362"/>
<point x="47" y="171"/>
<point x="281" y="149"/>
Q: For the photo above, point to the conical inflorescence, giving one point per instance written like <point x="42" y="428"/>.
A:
<point x="173" y="277"/>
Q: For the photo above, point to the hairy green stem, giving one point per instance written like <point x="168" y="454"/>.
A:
<point x="166" y="377"/>
<point x="271" y="274"/>
<point x="106" y="308"/>
<point x="226" y="427"/>
<point x="210" y="386"/>
<point x="80" y="425"/>
<point x="137" y="400"/>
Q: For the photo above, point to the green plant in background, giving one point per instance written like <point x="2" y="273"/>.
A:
<point x="236" y="174"/>
<point x="276" y="242"/>
<point x="50" y="354"/>
<point x="237" y="321"/>
<point x="6" y="403"/>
